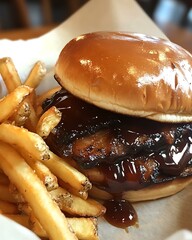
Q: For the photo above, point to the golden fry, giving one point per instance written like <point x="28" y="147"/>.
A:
<point x="81" y="194"/>
<point x="4" y="180"/>
<point x="43" y="172"/>
<point x="20" y="117"/>
<point x="24" y="208"/>
<point x="18" y="197"/>
<point x="31" y="121"/>
<point x="21" y="219"/>
<point x="8" y="208"/>
<point x="67" y="173"/>
<point x="37" y="149"/>
<point x="84" y="228"/>
<point x="30" y="143"/>
<point x="48" y="121"/>
<point x="62" y="197"/>
<point x="12" y="101"/>
<point x="9" y="74"/>
<point x="18" y="171"/>
<point x="5" y="194"/>
<point x="84" y="208"/>
<point x="36" y="75"/>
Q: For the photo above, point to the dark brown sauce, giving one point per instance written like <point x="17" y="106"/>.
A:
<point x="162" y="158"/>
<point x="169" y="154"/>
<point x="120" y="213"/>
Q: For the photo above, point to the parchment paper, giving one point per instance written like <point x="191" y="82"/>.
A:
<point x="157" y="219"/>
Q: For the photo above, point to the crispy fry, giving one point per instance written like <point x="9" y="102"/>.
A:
<point x="84" y="228"/>
<point x="67" y="173"/>
<point x="43" y="172"/>
<point x="62" y="197"/>
<point x="9" y="74"/>
<point x="21" y="219"/>
<point x="36" y="148"/>
<point x="5" y="194"/>
<point x="24" y="208"/>
<point x="4" y="179"/>
<point x="18" y="197"/>
<point x="48" y="121"/>
<point x="12" y="101"/>
<point x="20" y="117"/>
<point x="7" y="207"/>
<point x="31" y="121"/>
<point x="36" y="227"/>
<point x="31" y="143"/>
<point x="89" y="207"/>
<point x="81" y="194"/>
<point x="34" y="181"/>
<point x="18" y="171"/>
<point x="36" y="75"/>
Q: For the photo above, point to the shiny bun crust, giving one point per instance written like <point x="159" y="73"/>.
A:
<point x="153" y="192"/>
<point x="128" y="73"/>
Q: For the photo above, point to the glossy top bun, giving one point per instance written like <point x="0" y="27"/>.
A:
<point x="129" y="73"/>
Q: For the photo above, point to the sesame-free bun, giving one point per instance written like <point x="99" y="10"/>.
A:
<point x="152" y="192"/>
<point x="129" y="73"/>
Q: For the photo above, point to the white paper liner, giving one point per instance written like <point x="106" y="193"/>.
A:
<point x="157" y="219"/>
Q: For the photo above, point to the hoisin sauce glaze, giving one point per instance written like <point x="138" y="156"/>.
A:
<point x="80" y="119"/>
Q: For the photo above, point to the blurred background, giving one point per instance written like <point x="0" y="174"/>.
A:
<point x="174" y="17"/>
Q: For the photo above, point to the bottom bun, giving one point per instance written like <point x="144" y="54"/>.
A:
<point x="149" y="193"/>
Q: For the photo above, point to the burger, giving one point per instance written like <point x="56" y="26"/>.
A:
<point x="126" y="103"/>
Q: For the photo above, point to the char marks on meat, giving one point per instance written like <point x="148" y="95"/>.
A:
<point x="95" y="137"/>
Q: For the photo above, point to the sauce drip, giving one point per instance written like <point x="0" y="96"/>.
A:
<point x="155" y="151"/>
<point x="120" y="213"/>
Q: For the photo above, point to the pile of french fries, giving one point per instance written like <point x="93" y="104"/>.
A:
<point x="38" y="189"/>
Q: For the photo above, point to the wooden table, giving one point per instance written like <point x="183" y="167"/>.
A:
<point x="176" y="34"/>
<point x="27" y="33"/>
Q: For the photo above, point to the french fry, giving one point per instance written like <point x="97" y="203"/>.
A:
<point x="84" y="228"/>
<point x="48" y="121"/>
<point x="5" y="194"/>
<point x="81" y="194"/>
<point x="8" y="208"/>
<point x="37" y="149"/>
<point x="18" y="197"/>
<point x="44" y="174"/>
<point x="9" y="74"/>
<point x="20" y="117"/>
<point x="31" y="143"/>
<point x="12" y="101"/>
<point x="89" y="207"/>
<point x="62" y="197"/>
<point x="31" y="121"/>
<point x="21" y="219"/>
<point x="36" y="227"/>
<point x="24" y="208"/>
<point x="18" y="171"/>
<point x="36" y="75"/>
<point x="4" y="179"/>
<point x="67" y="173"/>
<point x="35" y="182"/>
